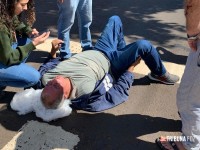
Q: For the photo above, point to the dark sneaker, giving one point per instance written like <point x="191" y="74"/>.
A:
<point x="167" y="78"/>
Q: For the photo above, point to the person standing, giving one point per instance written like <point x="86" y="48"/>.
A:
<point x="67" y="11"/>
<point x="188" y="97"/>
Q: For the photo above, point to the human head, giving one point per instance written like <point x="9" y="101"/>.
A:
<point x="10" y="8"/>
<point x="55" y="92"/>
<point x="20" y="6"/>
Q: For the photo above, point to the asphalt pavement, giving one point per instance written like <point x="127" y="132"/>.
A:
<point x="134" y="125"/>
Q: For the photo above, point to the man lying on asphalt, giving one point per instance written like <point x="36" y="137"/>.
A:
<point x="99" y="79"/>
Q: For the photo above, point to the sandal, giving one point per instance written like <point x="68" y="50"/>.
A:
<point x="162" y="147"/>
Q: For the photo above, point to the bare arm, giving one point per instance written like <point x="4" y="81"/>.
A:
<point x="192" y="14"/>
<point x="56" y="44"/>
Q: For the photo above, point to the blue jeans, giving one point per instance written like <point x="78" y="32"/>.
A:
<point x="67" y="11"/>
<point x="121" y="56"/>
<point x="19" y="75"/>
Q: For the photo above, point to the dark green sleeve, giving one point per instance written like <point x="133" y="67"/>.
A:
<point x="23" y="28"/>
<point x="9" y="56"/>
<point x="20" y="26"/>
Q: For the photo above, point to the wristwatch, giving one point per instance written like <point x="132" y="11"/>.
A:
<point x="193" y="37"/>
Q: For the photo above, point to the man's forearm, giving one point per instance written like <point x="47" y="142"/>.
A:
<point x="53" y="53"/>
<point x="192" y="14"/>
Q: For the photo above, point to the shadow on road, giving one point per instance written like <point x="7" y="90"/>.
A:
<point x="171" y="57"/>
<point x="102" y="131"/>
<point x="136" y="16"/>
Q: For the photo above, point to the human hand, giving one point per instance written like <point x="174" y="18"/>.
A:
<point x="56" y="44"/>
<point x="41" y="38"/>
<point x="132" y="66"/>
<point x="33" y="33"/>
<point x="193" y="44"/>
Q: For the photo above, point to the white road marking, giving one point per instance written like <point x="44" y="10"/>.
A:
<point x="35" y="135"/>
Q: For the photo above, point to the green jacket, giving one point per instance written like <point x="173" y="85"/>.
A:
<point x="8" y="56"/>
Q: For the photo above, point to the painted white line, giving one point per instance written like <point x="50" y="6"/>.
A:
<point x="36" y="135"/>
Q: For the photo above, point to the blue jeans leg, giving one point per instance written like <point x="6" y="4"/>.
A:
<point x="67" y="11"/>
<point x="112" y="37"/>
<point x="19" y="75"/>
<point x="121" y="57"/>
<point x="121" y="60"/>
<point x="84" y="14"/>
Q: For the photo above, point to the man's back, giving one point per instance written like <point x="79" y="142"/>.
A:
<point x="84" y="69"/>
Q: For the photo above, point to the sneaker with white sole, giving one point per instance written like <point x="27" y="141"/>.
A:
<point x="167" y="78"/>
